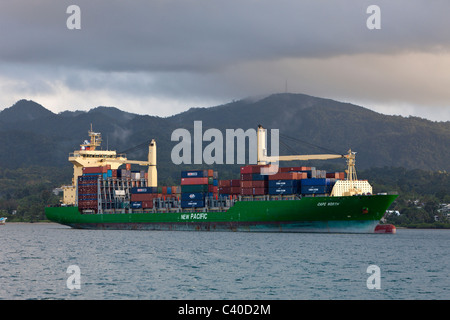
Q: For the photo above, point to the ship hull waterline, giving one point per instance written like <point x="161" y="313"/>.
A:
<point x="353" y="214"/>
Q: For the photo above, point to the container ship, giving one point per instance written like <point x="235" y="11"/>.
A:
<point x="264" y="198"/>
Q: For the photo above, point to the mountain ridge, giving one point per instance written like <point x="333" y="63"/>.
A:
<point x="35" y="135"/>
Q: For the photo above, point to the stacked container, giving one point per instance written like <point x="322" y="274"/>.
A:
<point x="142" y="197"/>
<point x="284" y="183"/>
<point x="88" y="187"/>
<point x="196" y="185"/>
<point x="253" y="182"/>
<point x="317" y="186"/>
<point x="230" y="187"/>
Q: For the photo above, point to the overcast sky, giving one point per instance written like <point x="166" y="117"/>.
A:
<point x="161" y="57"/>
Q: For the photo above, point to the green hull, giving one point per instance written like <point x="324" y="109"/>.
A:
<point x="355" y="214"/>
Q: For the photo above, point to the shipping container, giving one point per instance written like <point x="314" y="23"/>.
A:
<point x="194" y="174"/>
<point x="95" y="169"/>
<point x="246" y="176"/>
<point x="194" y="181"/>
<point x="136" y="204"/>
<point x="144" y="196"/>
<point x="194" y="188"/>
<point x="283" y="190"/>
<point x="308" y="189"/>
<point x="192" y="196"/>
<point x="147" y="204"/>
<point x="260" y="177"/>
<point x="224" y="183"/>
<point x="316" y="182"/>
<point x="284" y="176"/>
<point x="253" y="191"/>
<point x="253" y="168"/>
<point x="283" y="183"/>
<point x="144" y="190"/>
<point x="192" y="203"/>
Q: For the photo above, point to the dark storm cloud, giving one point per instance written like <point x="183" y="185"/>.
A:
<point x="181" y="52"/>
<point x="208" y="35"/>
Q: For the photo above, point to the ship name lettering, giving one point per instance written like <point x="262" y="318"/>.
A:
<point x="323" y="204"/>
<point x="333" y="203"/>
<point x="199" y="216"/>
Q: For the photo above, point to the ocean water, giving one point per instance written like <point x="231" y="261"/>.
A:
<point x="34" y="260"/>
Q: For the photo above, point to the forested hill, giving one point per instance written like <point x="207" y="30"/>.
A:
<point x="33" y="135"/>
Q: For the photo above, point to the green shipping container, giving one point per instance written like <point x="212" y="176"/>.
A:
<point x="193" y="188"/>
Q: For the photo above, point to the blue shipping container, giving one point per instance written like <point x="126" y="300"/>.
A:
<point x="282" y="190"/>
<point x="144" y="190"/>
<point x="192" y="196"/>
<point x="315" y="182"/>
<point x="283" y="183"/>
<point x="314" y="189"/>
<point x="136" y="204"/>
<point x="194" y="174"/>
<point x="192" y="203"/>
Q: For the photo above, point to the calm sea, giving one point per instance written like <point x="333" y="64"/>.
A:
<point x="34" y="260"/>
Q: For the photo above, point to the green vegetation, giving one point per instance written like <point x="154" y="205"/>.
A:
<point x="24" y="193"/>
<point x="422" y="195"/>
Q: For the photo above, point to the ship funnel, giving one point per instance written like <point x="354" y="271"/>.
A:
<point x="152" y="173"/>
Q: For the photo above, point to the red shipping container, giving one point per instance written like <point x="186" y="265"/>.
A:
<point x="210" y="172"/>
<point x="253" y="191"/>
<point x="164" y="190"/>
<point x="224" y="183"/>
<point x="189" y="181"/>
<point x="253" y="168"/>
<point x="246" y="184"/>
<point x="235" y="190"/>
<point x="225" y="190"/>
<point x="247" y="169"/>
<point x="212" y="188"/>
<point x="247" y="191"/>
<point x="284" y="176"/>
<point x="235" y="182"/>
<point x="246" y="176"/>
<point x="260" y="184"/>
<point x="94" y="170"/>
<point x="147" y="204"/>
<point x="143" y="196"/>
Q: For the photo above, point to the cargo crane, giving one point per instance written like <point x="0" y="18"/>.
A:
<point x="350" y="186"/>
<point x="90" y="156"/>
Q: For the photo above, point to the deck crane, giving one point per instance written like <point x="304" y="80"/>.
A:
<point x="350" y="186"/>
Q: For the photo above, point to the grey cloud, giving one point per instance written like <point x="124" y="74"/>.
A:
<point x="204" y="36"/>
